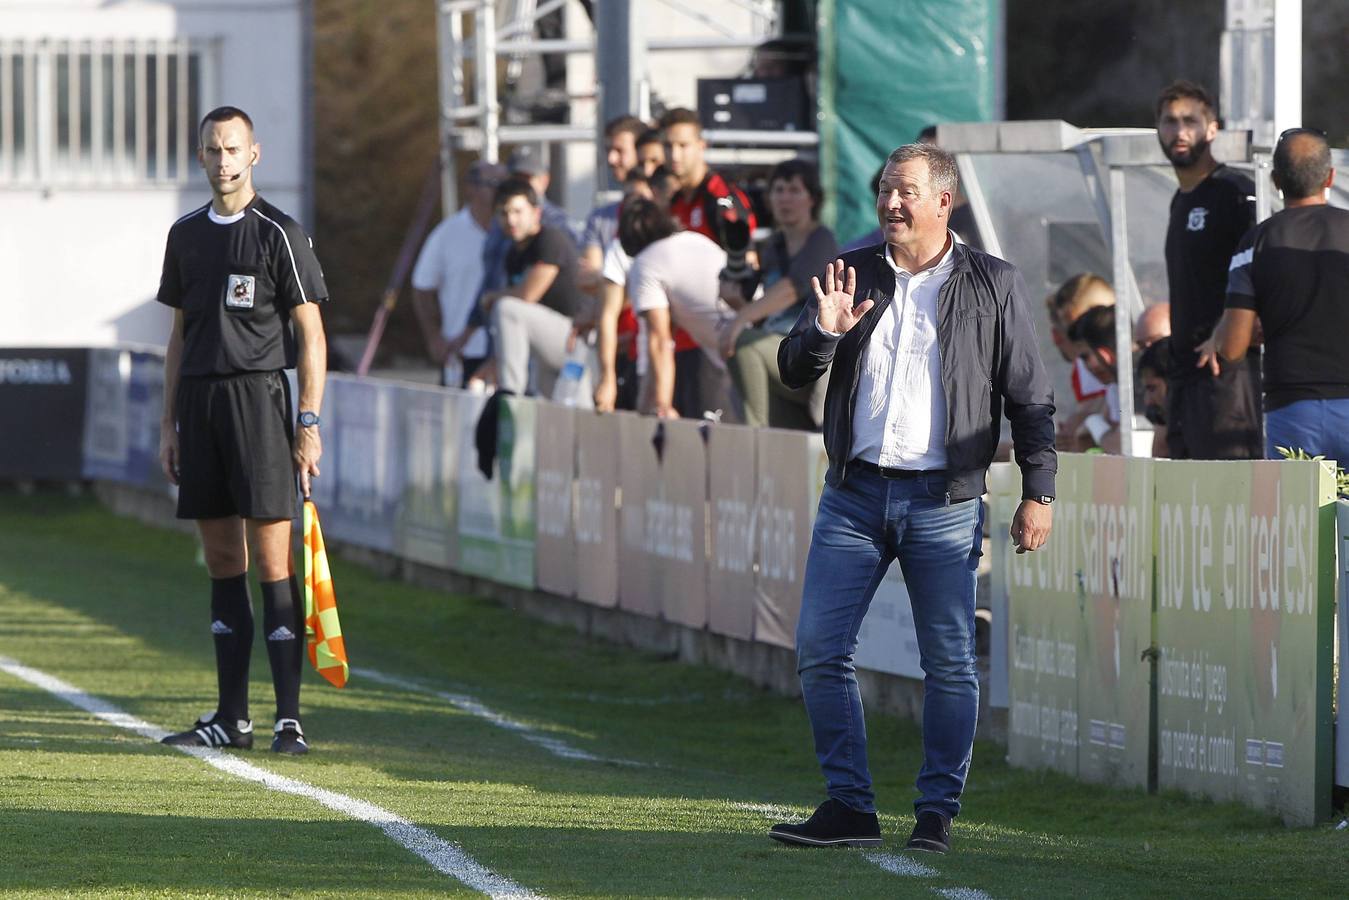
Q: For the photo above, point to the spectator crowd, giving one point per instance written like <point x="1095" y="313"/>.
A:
<point x="673" y="299"/>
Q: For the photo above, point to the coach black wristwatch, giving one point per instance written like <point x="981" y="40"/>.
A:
<point x="308" y="419"/>
<point x="1043" y="498"/>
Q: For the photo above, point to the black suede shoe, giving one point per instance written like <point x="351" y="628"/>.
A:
<point x="931" y="833"/>
<point x="834" y="824"/>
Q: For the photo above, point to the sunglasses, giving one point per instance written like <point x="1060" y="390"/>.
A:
<point x="1289" y="132"/>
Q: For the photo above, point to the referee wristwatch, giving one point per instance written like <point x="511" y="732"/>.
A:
<point x="1043" y="498"/>
<point x="308" y="419"/>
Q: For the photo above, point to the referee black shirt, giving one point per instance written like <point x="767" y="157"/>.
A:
<point x="1293" y="270"/>
<point x="1206" y="224"/>
<point x="236" y="279"/>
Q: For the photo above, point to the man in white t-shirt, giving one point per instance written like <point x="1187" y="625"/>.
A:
<point x="446" y="278"/>
<point x="673" y="281"/>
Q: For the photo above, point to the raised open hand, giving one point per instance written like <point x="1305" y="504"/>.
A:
<point x="835" y="298"/>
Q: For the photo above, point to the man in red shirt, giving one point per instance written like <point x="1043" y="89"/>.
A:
<point x="704" y="203"/>
<point x="705" y="200"/>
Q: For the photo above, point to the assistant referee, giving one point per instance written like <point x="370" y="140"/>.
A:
<point x="245" y="286"/>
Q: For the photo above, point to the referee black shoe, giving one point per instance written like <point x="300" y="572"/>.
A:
<point x="931" y="833"/>
<point x="834" y="824"/>
<point x="213" y="731"/>
<point x="289" y="738"/>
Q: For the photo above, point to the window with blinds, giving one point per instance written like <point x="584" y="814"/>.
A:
<point x="99" y="112"/>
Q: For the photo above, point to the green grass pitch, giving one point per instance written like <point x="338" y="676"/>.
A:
<point x="120" y="611"/>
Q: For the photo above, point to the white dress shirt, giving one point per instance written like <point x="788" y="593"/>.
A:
<point x="900" y="418"/>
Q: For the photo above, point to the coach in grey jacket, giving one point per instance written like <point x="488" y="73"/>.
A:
<point x="928" y="341"/>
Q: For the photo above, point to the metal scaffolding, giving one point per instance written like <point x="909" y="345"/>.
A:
<point x="475" y="36"/>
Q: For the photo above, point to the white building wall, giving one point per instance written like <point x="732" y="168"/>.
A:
<point x="82" y="261"/>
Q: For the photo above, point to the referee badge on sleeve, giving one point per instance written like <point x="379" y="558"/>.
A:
<point x="239" y="292"/>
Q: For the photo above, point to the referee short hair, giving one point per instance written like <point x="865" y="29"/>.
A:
<point x="225" y="114"/>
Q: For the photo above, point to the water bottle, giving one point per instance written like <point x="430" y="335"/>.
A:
<point x="573" y="387"/>
<point x="453" y="372"/>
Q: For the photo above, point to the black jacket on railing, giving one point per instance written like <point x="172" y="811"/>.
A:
<point x="989" y="358"/>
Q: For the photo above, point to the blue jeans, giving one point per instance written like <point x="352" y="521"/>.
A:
<point x="862" y="526"/>
<point x="1321" y="427"/>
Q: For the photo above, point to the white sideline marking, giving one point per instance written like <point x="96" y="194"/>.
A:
<point x="443" y="856"/>
<point x="467" y="704"/>
<point x="896" y="864"/>
<point x="960" y="893"/>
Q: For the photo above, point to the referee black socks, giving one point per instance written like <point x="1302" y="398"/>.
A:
<point x="232" y="632"/>
<point x="285" y="643"/>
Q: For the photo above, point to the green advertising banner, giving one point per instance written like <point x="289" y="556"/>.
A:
<point x="1245" y="596"/>
<point x="1081" y="613"/>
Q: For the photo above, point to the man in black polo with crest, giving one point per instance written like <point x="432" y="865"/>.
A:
<point x="1209" y="416"/>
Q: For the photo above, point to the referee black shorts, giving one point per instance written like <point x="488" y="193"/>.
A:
<point x="234" y="447"/>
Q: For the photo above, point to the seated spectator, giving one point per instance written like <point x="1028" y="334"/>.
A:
<point x="1095" y="331"/>
<point x="620" y="145"/>
<point x="447" y="276"/>
<point x="532" y="316"/>
<point x="650" y="151"/>
<point x="674" y="282"/>
<point x="601" y="225"/>
<point x="527" y="163"/>
<point x="798" y="249"/>
<point x="524" y="164"/>
<point x="1073" y="298"/>
<point x="618" y="326"/>
<point x="615" y="324"/>
<point x="1153" y="365"/>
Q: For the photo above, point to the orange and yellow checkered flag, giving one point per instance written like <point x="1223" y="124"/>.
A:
<point x="322" y="631"/>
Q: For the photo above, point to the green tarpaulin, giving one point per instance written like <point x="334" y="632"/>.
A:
<point x="887" y="69"/>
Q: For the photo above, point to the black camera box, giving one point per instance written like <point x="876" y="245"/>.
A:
<point x="754" y="104"/>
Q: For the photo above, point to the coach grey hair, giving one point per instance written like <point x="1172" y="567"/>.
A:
<point x="941" y="166"/>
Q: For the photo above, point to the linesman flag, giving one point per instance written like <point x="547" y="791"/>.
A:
<point x="322" y="631"/>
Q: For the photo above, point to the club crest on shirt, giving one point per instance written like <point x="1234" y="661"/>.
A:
<point x="1196" y="220"/>
<point x="239" y="292"/>
<point x="696" y="217"/>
